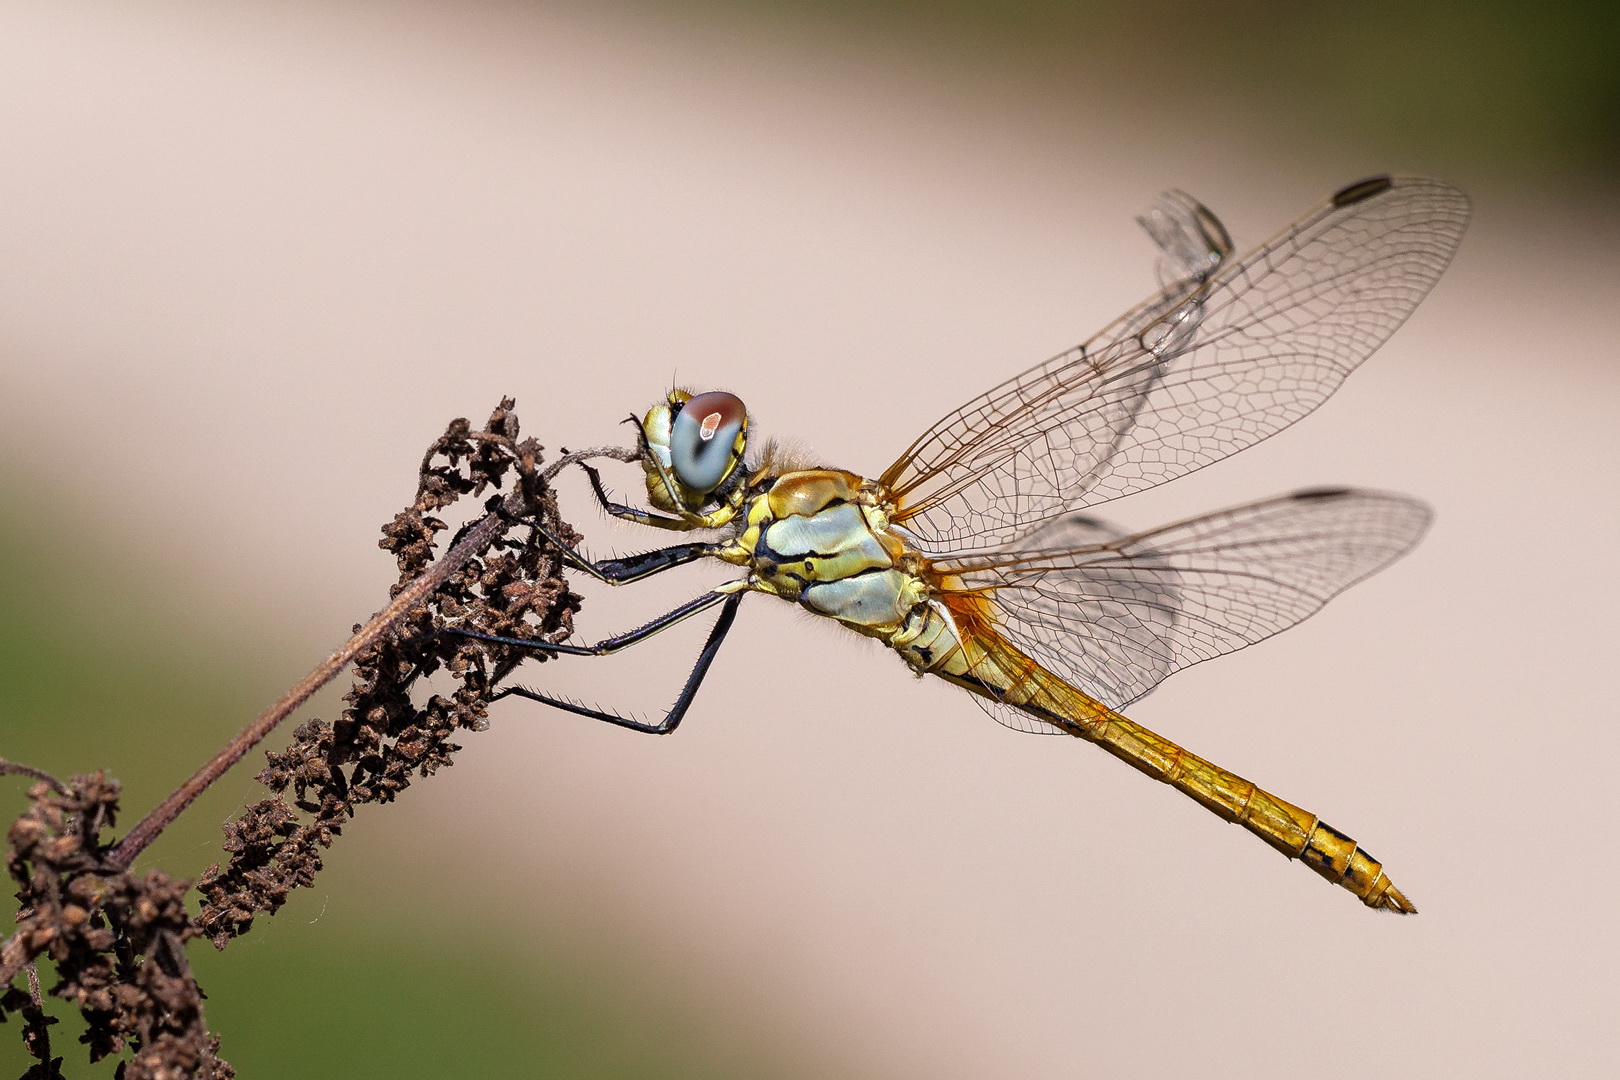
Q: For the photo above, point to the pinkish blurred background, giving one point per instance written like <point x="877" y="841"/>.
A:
<point x="305" y="235"/>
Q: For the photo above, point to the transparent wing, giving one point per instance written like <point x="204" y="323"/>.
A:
<point x="1115" y="619"/>
<point x="1013" y="717"/>
<point x="1154" y="597"/>
<point x="1227" y="355"/>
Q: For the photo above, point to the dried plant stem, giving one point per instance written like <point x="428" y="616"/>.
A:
<point x="14" y="956"/>
<point x="41" y="1052"/>
<point x="475" y="541"/>
<point x="28" y="770"/>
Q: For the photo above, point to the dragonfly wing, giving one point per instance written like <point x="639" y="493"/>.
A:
<point x="1014" y="717"/>
<point x="1116" y="619"/>
<point x="1130" y="643"/>
<point x="1226" y="356"/>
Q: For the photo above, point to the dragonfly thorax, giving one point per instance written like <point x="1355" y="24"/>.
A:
<point x="821" y="537"/>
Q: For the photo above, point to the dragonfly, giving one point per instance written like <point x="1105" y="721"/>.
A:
<point x="974" y="555"/>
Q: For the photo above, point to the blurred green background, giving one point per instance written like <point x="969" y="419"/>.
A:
<point x="1524" y="92"/>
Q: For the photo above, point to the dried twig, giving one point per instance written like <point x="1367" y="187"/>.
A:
<point x="36" y="1033"/>
<point x="117" y="939"/>
<point x="11" y="767"/>
<point x="472" y="543"/>
<point x="477" y="539"/>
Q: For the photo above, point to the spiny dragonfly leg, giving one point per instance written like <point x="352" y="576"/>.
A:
<point x="626" y="568"/>
<point x="672" y="719"/>
<point x="630" y="513"/>
<point x="610" y="645"/>
<point x="635" y="567"/>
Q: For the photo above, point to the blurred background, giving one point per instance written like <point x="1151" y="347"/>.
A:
<point x="254" y="256"/>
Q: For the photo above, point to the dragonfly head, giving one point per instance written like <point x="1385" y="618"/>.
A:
<point x="693" y="445"/>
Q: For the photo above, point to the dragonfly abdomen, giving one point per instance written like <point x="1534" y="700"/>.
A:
<point x="1297" y="833"/>
<point x="995" y="668"/>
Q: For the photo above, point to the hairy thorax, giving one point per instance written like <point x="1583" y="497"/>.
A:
<point x="822" y="537"/>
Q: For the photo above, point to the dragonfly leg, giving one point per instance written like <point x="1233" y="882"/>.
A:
<point x="624" y="569"/>
<point x="689" y="689"/>
<point x="610" y="645"/>
<point x="635" y="567"/>
<point x="630" y="513"/>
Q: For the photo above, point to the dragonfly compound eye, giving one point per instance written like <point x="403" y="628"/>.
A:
<point x="705" y="440"/>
